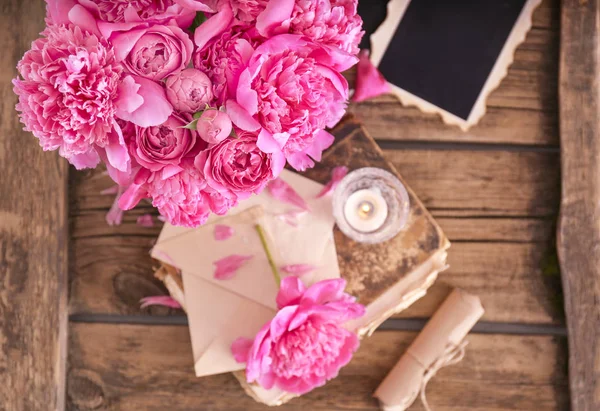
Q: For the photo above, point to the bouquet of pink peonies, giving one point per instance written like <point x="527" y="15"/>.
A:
<point x="196" y="104"/>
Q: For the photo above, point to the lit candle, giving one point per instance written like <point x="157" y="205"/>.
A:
<point x="366" y="210"/>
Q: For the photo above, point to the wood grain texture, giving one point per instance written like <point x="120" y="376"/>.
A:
<point x="128" y="367"/>
<point x="579" y="232"/>
<point x="450" y="183"/>
<point x="33" y="241"/>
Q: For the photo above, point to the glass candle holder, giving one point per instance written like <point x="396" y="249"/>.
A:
<point x="370" y="205"/>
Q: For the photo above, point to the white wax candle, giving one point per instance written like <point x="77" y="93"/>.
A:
<point x="366" y="210"/>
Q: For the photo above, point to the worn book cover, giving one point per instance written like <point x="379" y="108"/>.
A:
<point x="387" y="277"/>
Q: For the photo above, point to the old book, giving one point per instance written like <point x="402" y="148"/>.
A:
<point x="386" y="278"/>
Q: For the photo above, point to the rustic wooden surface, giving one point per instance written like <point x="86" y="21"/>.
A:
<point x="494" y="190"/>
<point x="33" y="241"/>
<point x="579" y="232"/>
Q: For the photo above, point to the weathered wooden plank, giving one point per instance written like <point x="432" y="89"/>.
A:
<point x="120" y="367"/>
<point x="110" y="274"/>
<point x="451" y="183"/>
<point x="33" y="241"/>
<point x="579" y="232"/>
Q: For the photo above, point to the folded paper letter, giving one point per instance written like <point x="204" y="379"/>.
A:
<point x="433" y="348"/>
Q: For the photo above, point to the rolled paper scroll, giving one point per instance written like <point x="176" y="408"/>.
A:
<point x="438" y="345"/>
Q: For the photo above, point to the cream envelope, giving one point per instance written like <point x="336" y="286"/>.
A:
<point x="220" y="311"/>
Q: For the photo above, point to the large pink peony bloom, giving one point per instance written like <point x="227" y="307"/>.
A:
<point x="225" y="57"/>
<point x="305" y="345"/>
<point x="236" y="165"/>
<point x="120" y="11"/>
<point x="167" y="144"/>
<point x="331" y="22"/>
<point x="177" y="192"/>
<point x="67" y="94"/>
<point x="294" y="89"/>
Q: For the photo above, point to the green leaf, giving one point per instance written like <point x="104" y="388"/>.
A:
<point x="191" y="126"/>
<point x="198" y="20"/>
<point x="198" y="114"/>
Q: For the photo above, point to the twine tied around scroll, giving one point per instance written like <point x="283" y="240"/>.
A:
<point x="453" y="354"/>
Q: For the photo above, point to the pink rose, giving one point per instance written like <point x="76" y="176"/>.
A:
<point x="177" y="193"/>
<point x="331" y="22"/>
<point x="236" y="165"/>
<point x="167" y="144"/>
<point x="189" y="91"/>
<point x="294" y="89"/>
<point x="225" y="57"/>
<point x="305" y="345"/>
<point x="67" y="93"/>
<point x="153" y="51"/>
<point x="214" y="126"/>
<point x="120" y="11"/>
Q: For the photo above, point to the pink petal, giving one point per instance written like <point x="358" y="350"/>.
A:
<point x="240" y="349"/>
<point x="274" y="15"/>
<point x="337" y="175"/>
<point x="291" y="217"/>
<point x="81" y="17"/>
<point x="136" y="190"/>
<point x="298" y="269"/>
<point x="145" y="221"/>
<point x="245" y="95"/>
<point x="223" y="232"/>
<point x="59" y="10"/>
<point x="369" y="81"/>
<point x="161" y="218"/>
<point x="283" y="192"/>
<point x="240" y="117"/>
<point x="163" y="300"/>
<point x="195" y="5"/>
<point x="155" y="110"/>
<point x="302" y="160"/>
<point x="116" y="150"/>
<point x="88" y="159"/>
<point x="115" y="214"/>
<point x="128" y="97"/>
<point x="271" y="143"/>
<point x="227" y="267"/>
<point x="214" y="26"/>
<point x="290" y="292"/>
<point x="110" y="190"/>
<point x="325" y="291"/>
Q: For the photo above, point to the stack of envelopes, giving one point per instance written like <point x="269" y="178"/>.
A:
<point x="386" y="277"/>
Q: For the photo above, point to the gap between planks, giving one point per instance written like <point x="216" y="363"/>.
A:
<point x="466" y="146"/>
<point x="393" y="324"/>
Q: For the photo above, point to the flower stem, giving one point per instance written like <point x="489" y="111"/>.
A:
<point x="263" y="240"/>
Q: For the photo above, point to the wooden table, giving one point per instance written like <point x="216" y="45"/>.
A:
<point x="495" y="190"/>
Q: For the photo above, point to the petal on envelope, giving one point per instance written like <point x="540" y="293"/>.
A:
<point x="227" y="267"/>
<point x="337" y="175"/>
<point x="369" y="81"/>
<point x="223" y="232"/>
<point x="240" y="349"/>
<point x="283" y="192"/>
<point x="298" y="269"/>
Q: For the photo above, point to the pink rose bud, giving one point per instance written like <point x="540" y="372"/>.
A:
<point x="214" y="126"/>
<point x="189" y="90"/>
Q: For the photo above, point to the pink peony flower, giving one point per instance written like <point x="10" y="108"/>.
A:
<point x="225" y="57"/>
<point x="214" y="126"/>
<point x="177" y="193"/>
<point x="330" y="22"/>
<point x="67" y="94"/>
<point x="220" y="202"/>
<point x="167" y="144"/>
<point x="189" y="90"/>
<point x="238" y="166"/>
<point x="305" y="345"/>
<point x="120" y="11"/>
<point x="152" y="51"/>
<point x="294" y="88"/>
